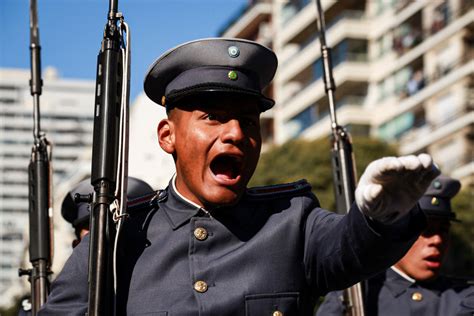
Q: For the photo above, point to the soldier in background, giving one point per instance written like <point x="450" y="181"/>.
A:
<point x="77" y="214"/>
<point x="414" y="286"/>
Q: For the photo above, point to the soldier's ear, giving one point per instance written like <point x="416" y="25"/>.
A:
<point x="166" y="135"/>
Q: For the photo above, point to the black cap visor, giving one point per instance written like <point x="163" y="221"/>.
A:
<point x="216" y="90"/>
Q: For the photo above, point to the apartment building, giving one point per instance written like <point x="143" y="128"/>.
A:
<point x="67" y="119"/>
<point x="403" y="72"/>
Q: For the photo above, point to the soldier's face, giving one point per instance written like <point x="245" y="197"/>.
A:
<point x="424" y="259"/>
<point x="216" y="145"/>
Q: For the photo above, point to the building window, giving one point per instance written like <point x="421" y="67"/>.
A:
<point x="317" y="69"/>
<point x="449" y="155"/>
<point x="397" y="127"/>
<point x="445" y="108"/>
<point x="301" y="121"/>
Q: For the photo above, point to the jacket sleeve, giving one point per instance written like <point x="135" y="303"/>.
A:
<point x="332" y="305"/>
<point x="69" y="292"/>
<point x="341" y="250"/>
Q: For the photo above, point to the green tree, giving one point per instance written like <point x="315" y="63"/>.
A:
<point x="460" y="260"/>
<point x="311" y="160"/>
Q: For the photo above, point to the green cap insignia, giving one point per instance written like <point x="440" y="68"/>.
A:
<point x="232" y="75"/>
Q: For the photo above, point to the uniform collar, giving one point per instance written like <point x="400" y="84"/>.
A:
<point x="177" y="208"/>
<point x="396" y="283"/>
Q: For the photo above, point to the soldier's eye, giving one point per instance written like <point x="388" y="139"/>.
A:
<point x="249" y="121"/>
<point x="211" y="116"/>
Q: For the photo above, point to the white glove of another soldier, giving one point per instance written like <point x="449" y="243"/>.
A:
<point x="390" y="187"/>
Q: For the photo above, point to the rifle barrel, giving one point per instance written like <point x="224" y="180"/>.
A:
<point x="344" y="172"/>
<point x="39" y="171"/>
<point x="104" y="166"/>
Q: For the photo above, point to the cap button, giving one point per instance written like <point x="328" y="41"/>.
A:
<point x="434" y="201"/>
<point x="232" y="75"/>
<point x="233" y="51"/>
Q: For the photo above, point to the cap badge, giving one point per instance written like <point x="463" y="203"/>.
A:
<point x="437" y="184"/>
<point x="434" y="201"/>
<point x="233" y="51"/>
<point x="232" y="75"/>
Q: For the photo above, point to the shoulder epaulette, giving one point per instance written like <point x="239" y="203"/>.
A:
<point x="279" y="190"/>
<point x="147" y="200"/>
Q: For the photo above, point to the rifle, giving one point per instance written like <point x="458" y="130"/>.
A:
<point x="343" y="164"/>
<point x="39" y="184"/>
<point x="109" y="160"/>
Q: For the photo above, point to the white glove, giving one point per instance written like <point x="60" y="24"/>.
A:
<point x="390" y="187"/>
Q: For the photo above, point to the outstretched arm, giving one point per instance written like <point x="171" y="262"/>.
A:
<point x="378" y="230"/>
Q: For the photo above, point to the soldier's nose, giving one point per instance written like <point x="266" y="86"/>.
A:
<point x="436" y="239"/>
<point x="233" y="132"/>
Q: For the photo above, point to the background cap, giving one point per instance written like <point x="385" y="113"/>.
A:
<point x="78" y="213"/>
<point x="436" y="202"/>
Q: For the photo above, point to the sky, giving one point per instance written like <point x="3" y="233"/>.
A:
<point x="71" y="31"/>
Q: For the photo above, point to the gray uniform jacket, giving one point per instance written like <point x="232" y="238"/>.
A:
<point x="389" y="294"/>
<point x="276" y="250"/>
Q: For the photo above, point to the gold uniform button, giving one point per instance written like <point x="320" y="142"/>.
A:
<point x="200" y="286"/>
<point x="417" y="296"/>
<point x="277" y="313"/>
<point x="200" y="233"/>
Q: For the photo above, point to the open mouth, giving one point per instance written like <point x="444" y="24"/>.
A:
<point x="227" y="167"/>
<point x="434" y="258"/>
<point x="433" y="261"/>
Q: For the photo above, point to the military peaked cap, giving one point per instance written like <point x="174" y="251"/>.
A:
<point x="436" y="202"/>
<point x="78" y="213"/>
<point x="235" y="66"/>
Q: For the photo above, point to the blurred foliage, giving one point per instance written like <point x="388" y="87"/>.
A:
<point x="460" y="259"/>
<point x="311" y="160"/>
<point x="12" y="310"/>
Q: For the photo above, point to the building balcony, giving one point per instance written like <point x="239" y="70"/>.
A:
<point x="350" y="77"/>
<point x="391" y="63"/>
<point x="419" y="138"/>
<point x="465" y="169"/>
<point x="301" y="55"/>
<point x="13" y="177"/>
<point x="349" y="114"/>
<point x="14" y="190"/>
<point x="314" y="121"/>
<point x="433" y="86"/>
<point x="296" y="15"/>
<point x="248" y="23"/>
<point x="16" y="204"/>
